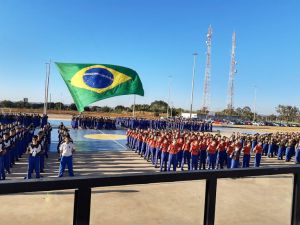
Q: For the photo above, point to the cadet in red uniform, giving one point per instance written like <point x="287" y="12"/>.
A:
<point x="173" y="149"/>
<point x="211" y="150"/>
<point x="246" y="151"/>
<point x="180" y="151"/>
<point x="158" y="150"/>
<point x="202" y="154"/>
<point x="164" y="155"/>
<point x="186" y="154"/>
<point x="221" y="148"/>
<point x="257" y="150"/>
<point x="229" y="152"/>
<point x="195" y="154"/>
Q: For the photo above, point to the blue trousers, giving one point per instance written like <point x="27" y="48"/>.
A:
<point x="2" y="171"/>
<point x="228" y="162"/>
<point x="152" y="152"/>
<point x="164" y="161"/>
<point x="203" y="155"/>
<point x="33" y="164"/>
<point x="7" y="162"/>
<point x="288" y="154"/>
<point x="66" y="160"/>
<point x="194" y="164"/>
<point x="257" y="160"/>
<point x="271" y="151"/>
<point x="211" y="160"/>
<point x="246" y="161"/>
<point x="186" y="159"/>
<point x="179" y="158"/>
<point x="172" y="161"/>
<point x="42" y="161"/>
<point x="297" y="156"/>
<point x="221" y="159"/>
<point x="157" y="156"/>
<point x="281" y="152"/>
<point x="235" y="164"/>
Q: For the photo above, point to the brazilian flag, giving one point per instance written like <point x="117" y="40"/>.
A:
<point x="89" y="83"/>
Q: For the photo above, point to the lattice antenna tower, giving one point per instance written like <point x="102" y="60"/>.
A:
<point x="206" y="87"/>
<point x="232" y="72"/>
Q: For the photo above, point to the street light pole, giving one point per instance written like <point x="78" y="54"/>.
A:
<point x="169" y="96"/>
<point x="193" y="79"/>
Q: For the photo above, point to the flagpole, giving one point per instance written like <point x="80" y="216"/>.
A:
<point x="193" y="79"/>
<point x="45" y="93"/>
<point x="254" y="116"/>
<point x="133" y="109"/>
<point x="48" y="65"/>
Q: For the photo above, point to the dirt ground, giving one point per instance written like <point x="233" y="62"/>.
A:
<point x="261" y="200"/>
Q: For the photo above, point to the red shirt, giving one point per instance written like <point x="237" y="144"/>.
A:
<point x="212" y="149"/>
<point x="164" y="147"/>
<point x="247" y="150"/>
<point x="221" y="147"/>
<point x="194" y="149"/>
<point x="230" y="150"/>
<point x="173" y="149"/>
<point x="258" y="149"/>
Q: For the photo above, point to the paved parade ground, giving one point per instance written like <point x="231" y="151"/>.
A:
<point x="265" y="200"/>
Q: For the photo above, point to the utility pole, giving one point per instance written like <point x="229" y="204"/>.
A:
<point x="193" y="79"/>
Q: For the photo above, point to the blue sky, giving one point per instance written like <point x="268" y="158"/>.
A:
<point x="157" y="39"/>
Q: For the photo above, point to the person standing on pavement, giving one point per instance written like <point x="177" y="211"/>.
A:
<point x="66" y="151"/>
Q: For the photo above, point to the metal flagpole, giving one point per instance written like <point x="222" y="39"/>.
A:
<point x="133" y="109"/>
<point x="193" y="78"/>
<point x="48" y="65"/>
<point x="45" y="96"/>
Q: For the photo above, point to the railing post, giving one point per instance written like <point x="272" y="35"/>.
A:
<point x="210" y="201"/>
<point x="82" y="205"/>
<point x="295" y="220"/>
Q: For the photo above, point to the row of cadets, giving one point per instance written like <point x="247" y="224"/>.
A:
<point x="2" y="154"/>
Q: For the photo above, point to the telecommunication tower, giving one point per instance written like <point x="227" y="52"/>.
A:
<point x="232" y="73"/>
<point x="206" y="87"/>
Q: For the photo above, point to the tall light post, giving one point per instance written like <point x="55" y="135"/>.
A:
<point x="193" y="79"/>
<point x="254" y="107"/>
<point x="133" y="108"/>
<point x="169" y="95"/>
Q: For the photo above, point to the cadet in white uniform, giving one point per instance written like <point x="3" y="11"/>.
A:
<point x="66" y="151"/>
<point x="34" y="149"/>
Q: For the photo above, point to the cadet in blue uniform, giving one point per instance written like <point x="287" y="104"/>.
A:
<point x="2" y="153"/>
<point x="34" y="150"/>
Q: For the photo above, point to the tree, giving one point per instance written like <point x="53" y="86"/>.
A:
<point x="159" y="106"/>
<point x="287" y="112"/>
<point x="120" y="108"/>
<point x="73" y="107"/>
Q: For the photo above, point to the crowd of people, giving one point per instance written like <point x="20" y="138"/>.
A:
<point x="16" y="134"/>
<point x="25" y="119"/>
<point x="29" y="135"/>
<point x="170" y="123"/>
<point x="89" y="122"/>
<point x="172" y="149"/>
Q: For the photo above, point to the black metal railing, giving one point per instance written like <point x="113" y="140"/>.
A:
<point x="83" y="185"/>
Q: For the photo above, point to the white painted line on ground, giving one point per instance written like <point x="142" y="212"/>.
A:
<point x="114" y="141"/>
